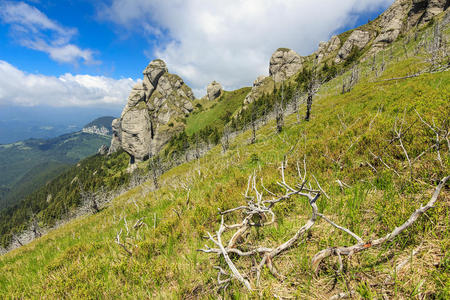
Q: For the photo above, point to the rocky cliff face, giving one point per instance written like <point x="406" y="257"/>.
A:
<point x="358" y="39"/>
<point x="153" y="113"/>
<point x="399" y="18"/>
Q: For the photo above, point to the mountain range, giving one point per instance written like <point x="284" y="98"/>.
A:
<point x="28" y="164"/>
<point x="327" y="179"/>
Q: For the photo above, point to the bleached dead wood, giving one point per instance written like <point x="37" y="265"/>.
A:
<point x="362" y="246"/>
<point x="342" y="185"/>
<point x="258" y="213"/>
<point x="440" y="133"/>
<point x="131" y="235"/>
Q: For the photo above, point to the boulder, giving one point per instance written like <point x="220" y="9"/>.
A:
<point x="357" y="38"/>
<point x="214" y="90"/>
<point x="391" y="24"/>
<point x="170" y="103"/>
<point x="284" y="63"/>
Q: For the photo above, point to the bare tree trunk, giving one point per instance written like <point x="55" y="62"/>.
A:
<point x="280" y="111"/>
<point x="225" y="139"/>
<point x="253" y="140"/>
<point x="309" y="101"/>
<point x="155" y="166"/>
<point x="374" y="62"/>
<point x="16" y="238"/>
<point x="197" y="150"/>
<point x="279" y="117"/>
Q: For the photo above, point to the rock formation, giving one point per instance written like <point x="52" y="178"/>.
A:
<point x="399" y="18"/>
<point x="284" y="63"/>
<point x="153" y="113"/>
<point x="422" y="11"/>
<point x="326" y="48"/>
<point x="258" y="89"/>
<point x="214" y="90"/>
<point x="115" y="141"/>
<point x="103" y="150"/>
<point x="357" y="38"/>
<point x="403" y="15"/>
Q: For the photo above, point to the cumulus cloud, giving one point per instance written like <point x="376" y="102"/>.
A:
<point x="33" y="29"/>
<point x="20" y="88"/>
<point x="232" y="41"/>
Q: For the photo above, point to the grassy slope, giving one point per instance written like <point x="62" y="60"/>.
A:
<point x="81" y="259"/>
<point x="214" y="113"/>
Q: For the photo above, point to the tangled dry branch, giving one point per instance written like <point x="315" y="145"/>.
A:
<point x="258" y="212"/>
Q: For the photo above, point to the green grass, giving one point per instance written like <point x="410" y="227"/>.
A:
<point x="81" y="259"/>
<point x="216" y="113"/>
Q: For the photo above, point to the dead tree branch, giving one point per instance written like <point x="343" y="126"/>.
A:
<point x="131" y="236"/>
<point x="362" y="246"/>
<point x="258" y="213"/>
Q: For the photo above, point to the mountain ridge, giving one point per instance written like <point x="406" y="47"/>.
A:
<point x="374" y="162"/>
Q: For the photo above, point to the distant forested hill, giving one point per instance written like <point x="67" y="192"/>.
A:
<point x="26" y="165"/>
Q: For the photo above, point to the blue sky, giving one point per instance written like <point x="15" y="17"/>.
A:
<point x="119" y="55"/>
<point x="90" y="53"/>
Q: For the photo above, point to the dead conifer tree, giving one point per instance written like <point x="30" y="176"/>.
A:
<point x="16" y="239"/>
<point x="253" y="125"/>
<point x="374" y="61"/>
<point x="296" y="100"/>
<point x="312" y="87"/>
<point x="90" y="198"/>
<point x="224" y="140"/>
<point x="35" y="226"/>
<point x="279" y="109"/>
<point x="437" y="51"/>
<point x="155" y="168"/>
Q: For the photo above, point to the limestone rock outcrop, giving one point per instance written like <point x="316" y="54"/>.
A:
<point x="153" y="113"/>
<point x="326" y="48"/>
<point x="357" y="38"/>
<point x="284" y="63"/>
<point x="403" y="15"/>
<point x="259" y="86"/>
<point x="115" y="141"/>
<point x="103" y="150"/>
<point x="391" y="22"/>
<point x="399" y="18"/>
<point x="422" y="11"/>
<point x="214" y="90"/>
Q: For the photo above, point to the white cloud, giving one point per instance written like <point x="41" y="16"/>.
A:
<point x="33" y="29"/>
<point x="232" y="41"/>
<point x="20" y="88"/>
